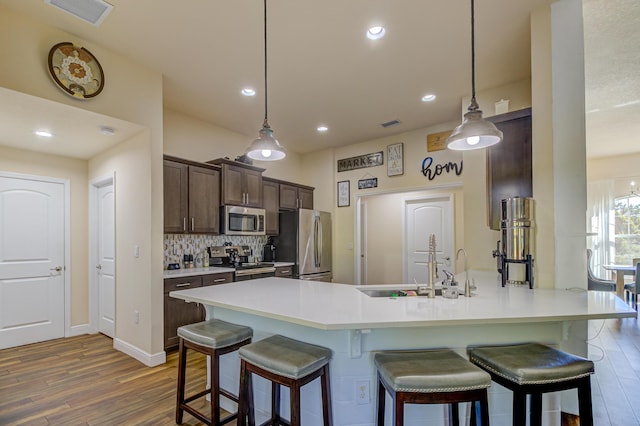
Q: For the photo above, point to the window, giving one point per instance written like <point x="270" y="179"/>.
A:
<point x="627" y="229"/>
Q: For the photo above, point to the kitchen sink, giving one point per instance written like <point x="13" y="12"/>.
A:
<point x="406" y="292"/>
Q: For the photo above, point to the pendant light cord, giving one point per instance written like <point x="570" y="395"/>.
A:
<point x="474" y="104"/>
<point x="266" y="121"/>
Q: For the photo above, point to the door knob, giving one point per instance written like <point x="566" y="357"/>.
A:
<point x="57" y="269"/>
<point x="98" y="266"/>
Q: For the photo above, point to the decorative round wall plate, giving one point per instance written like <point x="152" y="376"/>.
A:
<point x="75" y="70"/>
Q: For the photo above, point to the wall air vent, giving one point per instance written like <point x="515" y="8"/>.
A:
<point x="390" y="123"/>
<point x="91" y="11"/>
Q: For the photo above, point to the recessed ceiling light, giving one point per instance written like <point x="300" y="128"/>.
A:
<point x="44" y="133"/>
<point x="375" y="32"/>
<point x="248" y="91"/>
<point x="322" y="128"/>
<point x="429" y="97"/>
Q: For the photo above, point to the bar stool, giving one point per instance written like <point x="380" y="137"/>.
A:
<point x="438" y="376"/>
<point x="287" y="362"/>
<point x="534" y="369"/>
<point x="214" y="338"/>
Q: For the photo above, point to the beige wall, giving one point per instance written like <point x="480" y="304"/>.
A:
<point x="133" y="93"/>
<point x="621" y="168"/>
<point x="26" y="162"/>
<point x="130" y="161"/>
<point x="194" y="139"/>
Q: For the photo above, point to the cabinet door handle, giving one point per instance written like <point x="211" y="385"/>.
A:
<point x="193" y="223"/>
<point x="183" y="285"/>
<point x="184" y="224"/>
<point x="219" y="280"/>
<point x="287" y="272"/>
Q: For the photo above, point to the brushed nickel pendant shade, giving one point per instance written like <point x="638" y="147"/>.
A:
<point x="265" y="147"/>
<point x="474" y="132"/>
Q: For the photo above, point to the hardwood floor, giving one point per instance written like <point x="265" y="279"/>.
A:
<point x="84" y="381"/>
<point x="616" y="384"/>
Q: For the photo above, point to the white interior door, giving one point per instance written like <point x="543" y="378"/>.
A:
<point x="105" y="268"/>
<point x="32" y="260"/>
<point x="424" y="217"/>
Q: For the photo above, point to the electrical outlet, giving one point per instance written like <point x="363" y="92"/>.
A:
<point x="362" y="392"/>
<point x="136" y="317"/>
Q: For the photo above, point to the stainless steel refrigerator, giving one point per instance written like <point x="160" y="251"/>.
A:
<point x="305" y="238"/>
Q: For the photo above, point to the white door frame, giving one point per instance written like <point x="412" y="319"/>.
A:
<point x="66" y="183"/>
<point x="94" y="184"/>
<point x="359" y="238"/>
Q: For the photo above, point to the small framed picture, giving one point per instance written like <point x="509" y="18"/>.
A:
<point x="395" y="159"/>
<point x="344" y="193"/>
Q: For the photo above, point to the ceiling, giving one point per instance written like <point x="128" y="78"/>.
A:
<point x="323" y="70"/>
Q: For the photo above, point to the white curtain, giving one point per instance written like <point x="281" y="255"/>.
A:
<point x="601" y="225"/>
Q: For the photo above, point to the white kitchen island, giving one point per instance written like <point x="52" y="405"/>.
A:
<point x="353" y="325"/>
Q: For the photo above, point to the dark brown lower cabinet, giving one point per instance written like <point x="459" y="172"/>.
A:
<point x="177" y="312"/>
<point x="284" y="271"/>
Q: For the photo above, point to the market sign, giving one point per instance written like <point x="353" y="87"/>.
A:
<point x="361" y="161"/>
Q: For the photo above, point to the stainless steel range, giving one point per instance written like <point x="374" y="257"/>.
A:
<point x="237" y="257"/>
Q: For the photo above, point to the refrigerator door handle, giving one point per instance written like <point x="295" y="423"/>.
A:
<point x="315" y="241"/>
<point x="319" y="244"/>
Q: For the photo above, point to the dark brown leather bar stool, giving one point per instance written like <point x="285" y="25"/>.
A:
<point x="534" y="369"/>
<point x="438" y="376"/>
<point x="213" y="338"/>
<point x="285" y="362"/>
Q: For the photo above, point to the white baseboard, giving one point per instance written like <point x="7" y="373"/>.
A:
<point x="150" y="360"/>
<point x="78" y="330"/>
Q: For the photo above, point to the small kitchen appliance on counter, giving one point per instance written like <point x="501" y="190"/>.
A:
<point x="237" y="257"/>
<point x="516" y="247"/>
<point x="269" y="251"/>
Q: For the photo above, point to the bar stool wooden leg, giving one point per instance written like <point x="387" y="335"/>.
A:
<point x="536" y="409"/>
<point x="454" y="415"/>
<point x="519" y="408"/>
<point x="182" y="366"/>
<point x="484" y="409"/>
<point x="243" y="395"/>
<point x="325" y="383"/>
<point x="214" y="379"/>
<point x="584" y="402"/>
<point x="382" y="395"/>
<point x="398" y="415"/>
<point x="294" y="400"/>
<point x="275" y="402"/>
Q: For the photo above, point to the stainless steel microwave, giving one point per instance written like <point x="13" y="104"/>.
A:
<point x="238" y="220"/>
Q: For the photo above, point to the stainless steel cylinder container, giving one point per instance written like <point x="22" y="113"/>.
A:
<point x="517" y="227"/>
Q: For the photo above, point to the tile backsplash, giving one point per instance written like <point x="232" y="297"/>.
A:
<point x="177" y="245"/>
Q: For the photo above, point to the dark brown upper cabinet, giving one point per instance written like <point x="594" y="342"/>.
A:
<point x="191" y="197"/>
<point x="293" y="197"/>
<point x="241" y="184"/>
<point x="271" y="204"/>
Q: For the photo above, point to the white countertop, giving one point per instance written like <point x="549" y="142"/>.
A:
<point x="190" y="272"/>
<point x="331" y="306"/>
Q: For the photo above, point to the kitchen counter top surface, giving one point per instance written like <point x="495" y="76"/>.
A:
<point x="191" y="272"/>
<point x="332" y="306"/>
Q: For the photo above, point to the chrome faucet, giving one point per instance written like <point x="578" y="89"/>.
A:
<point x="432" y="267"/>
<point x="467" y="284"/>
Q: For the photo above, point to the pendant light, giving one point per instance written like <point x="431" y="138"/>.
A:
<point x="474" y="132"/>
<point x="265" y="147"/>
